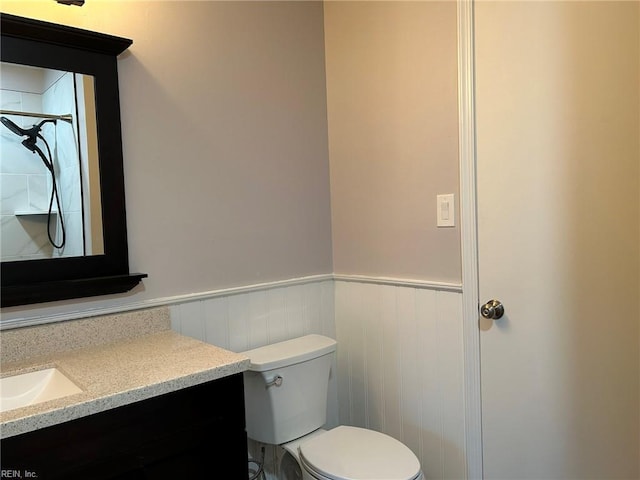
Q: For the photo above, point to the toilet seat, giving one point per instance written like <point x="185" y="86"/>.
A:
<point x="352" y="453"/>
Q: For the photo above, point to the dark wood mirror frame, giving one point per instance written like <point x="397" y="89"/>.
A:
<point x="42" y="44"/>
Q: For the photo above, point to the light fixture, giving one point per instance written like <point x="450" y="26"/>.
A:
<point x="79" y="3"/>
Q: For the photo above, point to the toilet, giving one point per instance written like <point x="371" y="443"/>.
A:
<point x="286" y="390"/>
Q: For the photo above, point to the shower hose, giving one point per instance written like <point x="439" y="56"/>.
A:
<point x="48" y="162"/>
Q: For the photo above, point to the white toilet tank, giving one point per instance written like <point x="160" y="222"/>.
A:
<point x="286" y="388"/>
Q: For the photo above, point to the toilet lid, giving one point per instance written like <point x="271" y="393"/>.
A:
<point x="351" y="453"/>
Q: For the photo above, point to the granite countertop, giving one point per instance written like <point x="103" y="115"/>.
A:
<point x="119" y="373"/>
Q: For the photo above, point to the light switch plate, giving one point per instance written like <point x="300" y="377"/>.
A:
<point x="446" y="210"/>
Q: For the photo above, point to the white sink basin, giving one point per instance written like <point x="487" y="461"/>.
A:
<point x="34" y="387"/>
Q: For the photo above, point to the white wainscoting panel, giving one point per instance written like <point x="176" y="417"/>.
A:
<point x="400" y="369"/>
<point x="243" y="321"/>
<point x="399" y="366"/>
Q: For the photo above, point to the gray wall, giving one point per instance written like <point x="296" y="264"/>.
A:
<point x="227" y="175"/>
<point x="225" y="142"/>
<point x="393" y="137"/>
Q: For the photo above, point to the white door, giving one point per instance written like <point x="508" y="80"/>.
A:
<point x="557" y="105"/>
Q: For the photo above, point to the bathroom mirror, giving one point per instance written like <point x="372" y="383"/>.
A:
<point x="50" y="196"/>
<point x="61" y="144"/>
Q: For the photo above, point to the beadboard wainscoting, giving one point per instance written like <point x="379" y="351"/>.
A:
<point x="240" y="322"/>
<point x="400" y="369"/>
<point x="399" y="363"/>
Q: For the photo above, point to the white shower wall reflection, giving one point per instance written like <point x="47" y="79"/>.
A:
<point x="26" y="183"/>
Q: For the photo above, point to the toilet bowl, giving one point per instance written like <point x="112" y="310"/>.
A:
<point x="348" y="453"/>
<point x="286" y="390"/>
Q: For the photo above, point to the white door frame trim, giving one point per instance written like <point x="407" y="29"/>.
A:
<point x="469" y="239"/>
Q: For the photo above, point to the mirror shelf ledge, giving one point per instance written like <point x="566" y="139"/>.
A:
<point x="68" y="289"/>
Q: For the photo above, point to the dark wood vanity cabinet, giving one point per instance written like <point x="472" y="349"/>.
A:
<point x="193" y="433"/>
